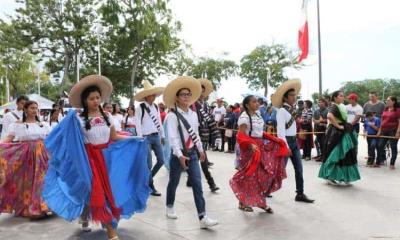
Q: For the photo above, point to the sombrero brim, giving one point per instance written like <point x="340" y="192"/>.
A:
<point x="277" y="97"/>
<point x="209" y="88"/>
<point x="140" y="96"/>
<point x="181" y="82"/>
<point x="102" y="82"/>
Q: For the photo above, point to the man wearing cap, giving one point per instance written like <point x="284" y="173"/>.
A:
<point x="354" y="112"/>
<point x="150" y="126"/>
<point x="284" y="98"/>
<point x="187" y="149"/>
<point x="207" y="128"/>
<point x="13" y="116"/>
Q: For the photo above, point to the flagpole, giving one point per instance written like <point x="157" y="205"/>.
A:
<point x="319" y="53"/>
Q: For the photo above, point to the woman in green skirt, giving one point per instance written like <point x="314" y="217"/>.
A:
<point x="340" y="158"/>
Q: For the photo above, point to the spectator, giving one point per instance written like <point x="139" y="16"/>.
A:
<point x="354" y="112"/>
<point x="163" y="114"/>
<point x="300" y="108"/>
<point x="371" y="127"/>
<point x="306" y="125"/>
<point x="230" y="122"/>
<point x="219" y="115"/>
<point x="374" y="105"/>
<point x="320" y="124"/>
<point x="390" y="126"/>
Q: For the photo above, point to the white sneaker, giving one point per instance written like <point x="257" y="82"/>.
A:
<point x="207" y="222"/>
<point x="170" y="213"/>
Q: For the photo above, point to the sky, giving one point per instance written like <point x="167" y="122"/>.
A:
<point x="360" y="38"/>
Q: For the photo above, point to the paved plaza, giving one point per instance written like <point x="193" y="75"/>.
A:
<point x="370" y="209"/>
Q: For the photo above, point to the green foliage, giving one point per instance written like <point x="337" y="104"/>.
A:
<point x="265" y="65"/>
<point x="140" y="38"/>
<point x="325" y="94"/>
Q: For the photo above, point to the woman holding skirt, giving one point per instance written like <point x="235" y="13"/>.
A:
<point x="340" y="158"/>
<point x="261" y="167"/>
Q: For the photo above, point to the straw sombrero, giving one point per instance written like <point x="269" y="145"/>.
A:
<point x="277" y="97"/>
<point x="148" y="90"/>
<point x="181" y="82"/>
<point x="209" y="88"/>
<point x="102" y="82"/>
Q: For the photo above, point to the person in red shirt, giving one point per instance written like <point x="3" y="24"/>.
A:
<point x="163" y="113"/>
<point x="390" y="126"/>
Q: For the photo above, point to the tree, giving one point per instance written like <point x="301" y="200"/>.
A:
<point x="325" y="94"/>
<point x="140" y="37"/>
<point x="57" y="30"/>
<point x="214" y="70"/>
<point x="362" y="88"/>
<point x="265" y="65"/>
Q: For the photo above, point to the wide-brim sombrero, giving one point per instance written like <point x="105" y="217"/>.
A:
<point x="148" y="90"/>
<point x="181" y="82"/>
<point x="208" y="87"/>
<point x="101" y="82"/>
<point x="277" y="97"/>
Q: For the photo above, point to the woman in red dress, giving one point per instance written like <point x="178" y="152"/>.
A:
<point x="262" y="160"/>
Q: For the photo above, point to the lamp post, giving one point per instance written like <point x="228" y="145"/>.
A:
<point x="7" y="85"/>
<point x="99" y="30"/>
<point x="38" y="79"/>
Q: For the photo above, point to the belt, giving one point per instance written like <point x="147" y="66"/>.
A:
<point x="290" y="138"/>
<point x="151" y="134"/>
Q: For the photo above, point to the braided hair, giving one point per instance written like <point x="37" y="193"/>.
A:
<point x="246" y="101"/>
<point x="24" y="116"/>
<point x="85" y="114"/>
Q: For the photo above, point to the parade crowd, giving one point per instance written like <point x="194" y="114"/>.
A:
<point x="95" y="163"/>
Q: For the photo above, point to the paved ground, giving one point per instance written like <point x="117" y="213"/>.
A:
<point x="368" y="210"/>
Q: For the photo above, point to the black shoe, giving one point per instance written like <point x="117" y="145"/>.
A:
<point x="188" y="184"/>
<point x="155" y="193"/>
<point x="303" y="198"/>
<point x="210" y="164"/>
<point x="214" y="188"/>
<point x="269" y="196"/>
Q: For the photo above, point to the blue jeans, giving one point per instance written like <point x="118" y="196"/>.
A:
<point x="393" y="146"/>
<point x="297" y="164"/>
<point x="372" y="148"/>
<point x="194" y="177"/>
<point x="154" y="142"/>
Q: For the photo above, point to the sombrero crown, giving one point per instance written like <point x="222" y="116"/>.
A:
<point x="277" y="97"/>
<point x="101" y="82"/>
<point x="148" y="90"/>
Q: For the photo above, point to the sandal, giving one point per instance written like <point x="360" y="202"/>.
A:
<point x="245" y="208"/>
<point x="267" y="209"/>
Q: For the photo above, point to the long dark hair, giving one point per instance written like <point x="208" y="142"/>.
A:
<point x="114" y="111"/>
<point x="24" y="116"/>
<point x="51" y="115"/>
<point x="127" y="113"/>
<point x="335" y="94"/>
<point x="245" y="102"/>
<point x="85" y="114"/>
<point x="395" y="104"/>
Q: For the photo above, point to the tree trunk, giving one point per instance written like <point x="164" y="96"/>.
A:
<point x="133" y="76"/>
<point x="265" y="90"/>
<point x="65" y="73"/>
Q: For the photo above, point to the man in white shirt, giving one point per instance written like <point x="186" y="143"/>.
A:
<point x="149" y="125"/>
<point x="285" y="98"/>
<point x="219" y="114"/>
<point x="183" y="136"/>
<point x="13" y="116"/>
<point x="354" y="112"/>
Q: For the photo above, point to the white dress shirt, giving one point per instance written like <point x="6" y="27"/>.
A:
<point x="9" y="119"/>
<point x="283" y="117"/>
<point x="147" y="126"/>
<point x="173" y="132"/>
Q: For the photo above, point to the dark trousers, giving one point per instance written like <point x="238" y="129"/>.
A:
<point x="321" y="141"/>
<point x="222" y="131"/>
<point x="372" y="148"/>
<point x="205" y="169"/>
<point x="307" y="141"/>
<point x="231" y="142"/>
<point x="297" y="164"/>
<point x="382" y="144"/>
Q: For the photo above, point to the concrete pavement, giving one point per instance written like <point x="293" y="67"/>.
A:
<point x="370" y="209"/>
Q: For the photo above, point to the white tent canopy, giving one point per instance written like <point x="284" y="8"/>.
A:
<point x="43" y="102"/>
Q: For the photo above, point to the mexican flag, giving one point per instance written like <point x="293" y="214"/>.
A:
<point x="303" y="32"/>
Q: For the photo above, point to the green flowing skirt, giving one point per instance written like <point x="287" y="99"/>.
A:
<point x="335" y="167"/>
